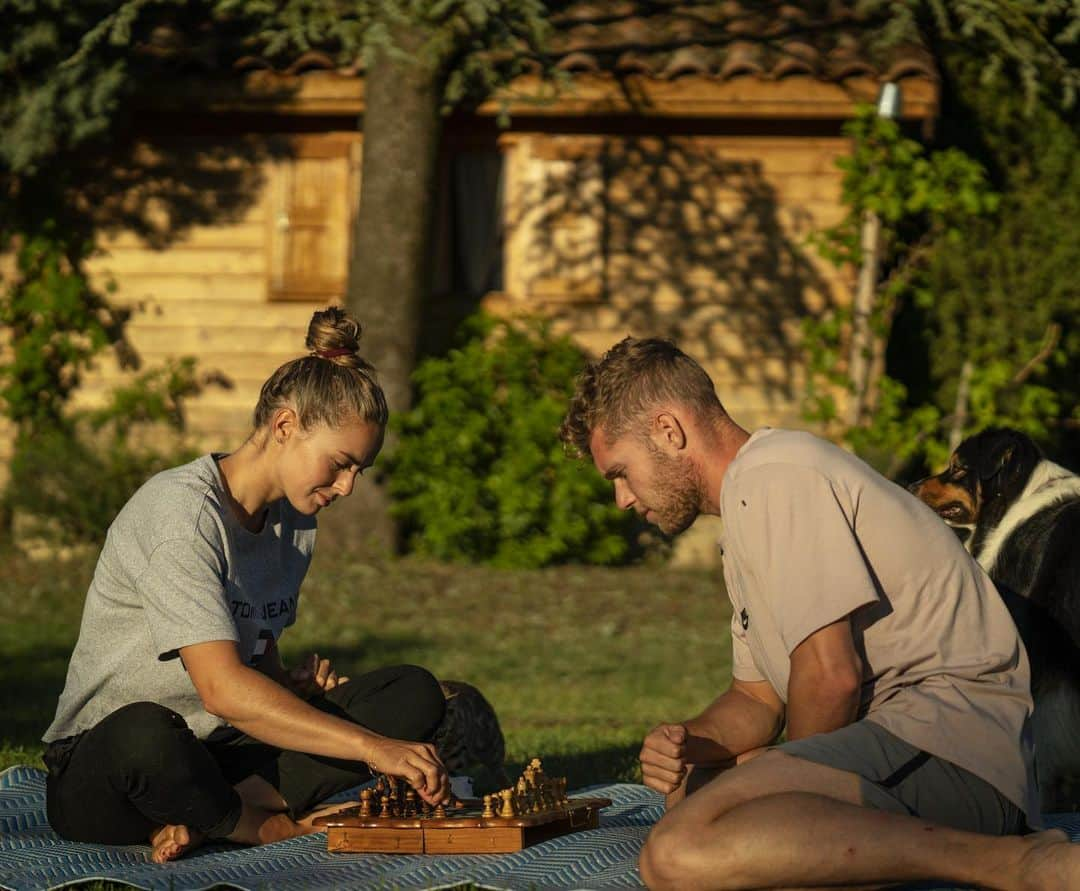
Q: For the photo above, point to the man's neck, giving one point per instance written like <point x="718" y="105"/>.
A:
<point x="729" y="438"/>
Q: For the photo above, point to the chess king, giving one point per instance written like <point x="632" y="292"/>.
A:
<point x="178" y="721"/>
<point x="860" y="626"/>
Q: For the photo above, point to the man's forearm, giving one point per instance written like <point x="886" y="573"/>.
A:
<point x="733" y="724"/>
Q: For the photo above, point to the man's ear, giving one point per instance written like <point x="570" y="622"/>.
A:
<point x="668" y="433"/>
<point x="283" y="425"/>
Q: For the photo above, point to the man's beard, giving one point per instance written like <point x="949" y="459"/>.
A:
<point x="677" y="485"/>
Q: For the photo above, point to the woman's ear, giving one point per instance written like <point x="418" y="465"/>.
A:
<point x="283" y="425"/>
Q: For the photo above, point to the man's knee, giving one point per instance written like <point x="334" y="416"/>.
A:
<point x="670" y="856"/>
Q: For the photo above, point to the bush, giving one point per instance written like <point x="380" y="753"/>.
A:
<point x="70" y="479"/>
<point x="70" y="487"/>
<point x="479" y="474"/>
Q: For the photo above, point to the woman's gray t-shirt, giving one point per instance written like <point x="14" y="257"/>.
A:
<point x="178" y="569"/>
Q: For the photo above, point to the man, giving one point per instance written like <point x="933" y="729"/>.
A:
<point x="859" y="623"/>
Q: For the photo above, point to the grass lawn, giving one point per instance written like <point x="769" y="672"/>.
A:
<point x="578" y="662"/>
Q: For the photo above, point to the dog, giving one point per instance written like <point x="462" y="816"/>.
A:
<point x="1019" y="516"/>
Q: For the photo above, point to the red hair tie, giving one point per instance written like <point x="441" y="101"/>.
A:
<point x="333" y="354"/>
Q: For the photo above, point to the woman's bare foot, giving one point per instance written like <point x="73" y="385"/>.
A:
<point x="171" y="842"/>
<point x="324" y="811"/>
<point x="279" y="827"/>
<point x="1050" y="862"/>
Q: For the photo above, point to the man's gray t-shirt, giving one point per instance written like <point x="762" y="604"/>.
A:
<point x="178" y="569"/>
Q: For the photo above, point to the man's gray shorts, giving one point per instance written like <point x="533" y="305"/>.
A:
<point x="896" y="776"/>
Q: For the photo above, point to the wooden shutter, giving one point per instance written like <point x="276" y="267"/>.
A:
<point x="313" y="199"/>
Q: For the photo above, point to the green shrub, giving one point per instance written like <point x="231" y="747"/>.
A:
<point x="479" y="474"/>
<point x="69" y="479"/>
<point x="70" y="488"/>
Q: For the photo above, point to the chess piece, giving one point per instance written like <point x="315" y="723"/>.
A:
<point x="488" y="811"/>
<point x="440" y="810"/>
<point x="384" y="805"/>
<point x="410" y="804"/>
<point x="507" y="809"/>
<point x="365" y="802"/>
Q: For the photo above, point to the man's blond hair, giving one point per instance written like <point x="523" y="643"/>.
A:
<point x="630" y="379"/>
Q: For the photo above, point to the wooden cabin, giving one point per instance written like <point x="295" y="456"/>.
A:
<point x="664" y="192"/>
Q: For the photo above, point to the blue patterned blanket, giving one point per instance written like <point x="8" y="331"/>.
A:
<point x="34" y="858"/>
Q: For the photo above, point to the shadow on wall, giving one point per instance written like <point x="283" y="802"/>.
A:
<point x="661" y="236"/>
<point x="158" y="185"/>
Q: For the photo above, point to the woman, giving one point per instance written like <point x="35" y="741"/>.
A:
<point x="178" y="721"/>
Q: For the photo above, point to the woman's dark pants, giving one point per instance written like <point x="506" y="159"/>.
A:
<point x="141" y="767"/>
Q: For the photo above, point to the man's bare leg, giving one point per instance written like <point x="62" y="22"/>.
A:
<point x="782" y="822"/>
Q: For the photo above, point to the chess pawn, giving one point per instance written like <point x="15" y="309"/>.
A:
<point x="440" y="810"/>
<point x="365" y="802"/>
<point x="488" y="811"/>
<point x="507" y="809"/>
<point x="410" y="803"/>
<point x="384" y="805"/>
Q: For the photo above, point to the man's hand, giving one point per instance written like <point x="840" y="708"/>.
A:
<point x="663" y="758"/>
<point x="314" y="677"/>
<point x="416" y="763"/>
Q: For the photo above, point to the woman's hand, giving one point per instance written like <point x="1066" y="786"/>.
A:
<point x="314" y="677"/>
<point x="416" y="763"/>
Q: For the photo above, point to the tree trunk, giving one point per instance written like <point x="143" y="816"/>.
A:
<point x="862" y="335"/>
<point x="390" y="276"/>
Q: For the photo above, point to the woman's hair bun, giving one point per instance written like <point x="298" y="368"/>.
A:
<point x="333" y="331"/>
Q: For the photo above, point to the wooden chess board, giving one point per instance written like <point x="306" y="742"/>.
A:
<point x="390" y="820"/>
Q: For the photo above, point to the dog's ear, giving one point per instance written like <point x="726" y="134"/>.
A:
<point x="999" y="457"/>
<point x="1003" y="445"/>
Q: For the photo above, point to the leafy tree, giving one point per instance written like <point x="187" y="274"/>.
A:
<point x="75" y="66"/>
<point x="975" y="318"/>
<point x="923" y="203"/>
<point x="69" y="71"/>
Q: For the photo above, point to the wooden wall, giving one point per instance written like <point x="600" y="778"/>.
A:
<point x="700" y="238"/>
<point x="238" y="294"/>
<point x="696" y="237"/>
